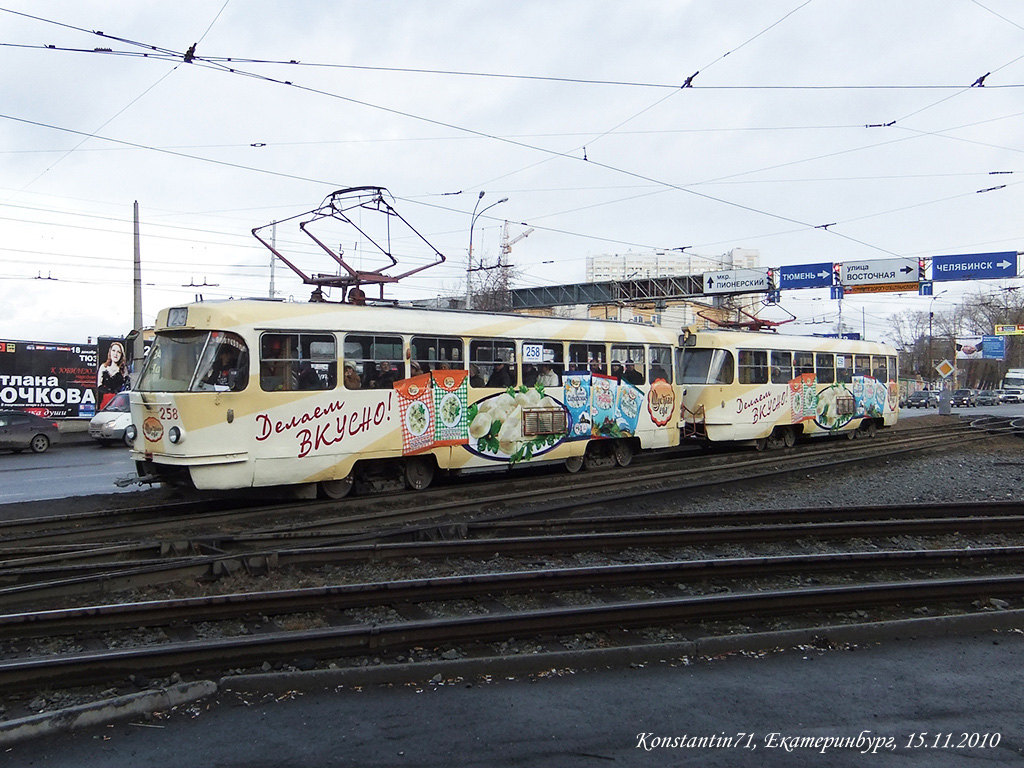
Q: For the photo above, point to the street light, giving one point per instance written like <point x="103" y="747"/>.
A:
<point x="469" y="263"/>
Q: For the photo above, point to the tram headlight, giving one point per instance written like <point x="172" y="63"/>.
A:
<point x="175" y="435"/>
<point x="131" y="432"/>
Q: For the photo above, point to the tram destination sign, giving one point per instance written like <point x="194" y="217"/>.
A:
<point x="736" y="281"/>
<point x="975" y="266"/>
<point x="805" y="276"/>
<point x="879" y="275"/>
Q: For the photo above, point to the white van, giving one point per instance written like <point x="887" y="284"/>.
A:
<point x="108" y="425"/>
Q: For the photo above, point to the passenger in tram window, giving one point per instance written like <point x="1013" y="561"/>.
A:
<point x="352" y="380"/>
<point x="415" y="369"/>
<point x="307" y="377"/>
<point x="595" y="366"/>
<point x="386" y="376"/>
<point x="546" y="377"/>
<point x="617" y="369"/>
<point x="475" y="379"/>
<point x="529" y="375"/>
<point x="500" y="376"/>
<point x="632" y="375"/>
<point x="657" y="372"/>
<point x="225" y="373"/>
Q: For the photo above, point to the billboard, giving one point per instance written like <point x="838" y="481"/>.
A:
<point x="56" y="381"/>
<point x="980" y="348"/>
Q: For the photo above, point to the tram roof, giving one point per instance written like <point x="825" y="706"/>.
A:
<point x="265" y="314"/>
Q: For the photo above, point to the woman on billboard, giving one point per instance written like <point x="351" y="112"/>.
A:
<point x="113" y="374"/>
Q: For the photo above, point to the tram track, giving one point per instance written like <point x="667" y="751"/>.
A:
<point x="361" y="515"/>
<point x="46" y="572"/>
<point x="556" y="578"/>
<point x="409" y="624"/>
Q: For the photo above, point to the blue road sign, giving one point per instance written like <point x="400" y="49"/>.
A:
<point x="975" y="266"/>
<point x="837" y="292"/>
<point x="925" y="288"/>
<point x="805" y="276"/>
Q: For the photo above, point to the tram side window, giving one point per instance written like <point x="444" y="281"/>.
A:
<point x="862" y="365"/>
<point x="782" y="367"/>
<point x="880" y="368"/>
<point x="495" y="362"/>
<point x="436" y="353"/>
<point x="844" y="369"/>
<point x="588" y="357"/>
<point x="543" y="363"/>
<point x="825" y="367"/>
<point x="893" y="369"/>
<point x="753" y="366"/>
<point x="298" y="361"/>
<point x="631" y="360"/>
<point x="803" y="362"/>
<point x="661" y="367"/>
<point x="377" y="360"/>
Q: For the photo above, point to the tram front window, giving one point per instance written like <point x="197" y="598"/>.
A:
<point x="195" y="361"/>
<point x="705" y="366"/>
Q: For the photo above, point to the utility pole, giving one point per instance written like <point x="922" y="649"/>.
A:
<point x="138" y="347"/>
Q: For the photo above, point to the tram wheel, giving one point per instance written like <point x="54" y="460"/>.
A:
<point x="419" y="473"/>
<point x="789" y="437"/>
<point x="852" y="433"/>
<point x="760" y="444"/>
<point x="869" y="428"/>
<point x="595" y="458"/>
<point x="623" y="453"/>
<point x="337" y="489"/>
<point x="574" y="464"/>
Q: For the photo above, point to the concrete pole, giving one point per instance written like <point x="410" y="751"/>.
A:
<point x="138" y="347"/>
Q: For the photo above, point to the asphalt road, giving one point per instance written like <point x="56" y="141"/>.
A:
<point x="76" y="466"/>
<point x="908" y="702"/>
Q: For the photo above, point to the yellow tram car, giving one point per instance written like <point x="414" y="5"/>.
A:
<point x="323" y="397"/>
<point x="765" y="388"/>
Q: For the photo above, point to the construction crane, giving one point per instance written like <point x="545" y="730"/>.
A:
<point x="506" y="243"/>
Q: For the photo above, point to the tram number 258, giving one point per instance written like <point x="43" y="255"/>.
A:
<point x="168" y="413"/>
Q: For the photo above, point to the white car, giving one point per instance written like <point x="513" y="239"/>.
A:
<point x="1012" y="395"/>
<point x="108" y="425"/>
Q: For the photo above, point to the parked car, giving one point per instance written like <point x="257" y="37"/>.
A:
<point x="20" y="430"/>
<point x="988" y="397"/>
<point x="108" y="425"/>
<point x="923" y="399"/>
<point x="1013" y="395"/>
<point x="964" y="397"/>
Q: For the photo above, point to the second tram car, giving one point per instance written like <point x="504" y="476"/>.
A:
<point x="322" y="396"/>
<point x="762" y="388"/>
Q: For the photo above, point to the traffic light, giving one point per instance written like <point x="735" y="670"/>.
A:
<point x="837" y="271"/>
<point x="921" y="264"/>
<point x="771" y="280"/>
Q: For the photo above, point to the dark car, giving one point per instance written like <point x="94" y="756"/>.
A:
<point x="19" y="431"/>
<point x="988" y="397"/>
<point x="965" y="397"/>
<point x="922" y="399"/>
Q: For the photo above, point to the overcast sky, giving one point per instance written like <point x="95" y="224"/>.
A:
<point x="857" y="114"/>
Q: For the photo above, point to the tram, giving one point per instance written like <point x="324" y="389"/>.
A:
<point x="323" y="397"/>
<point x="767" y="388"/>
